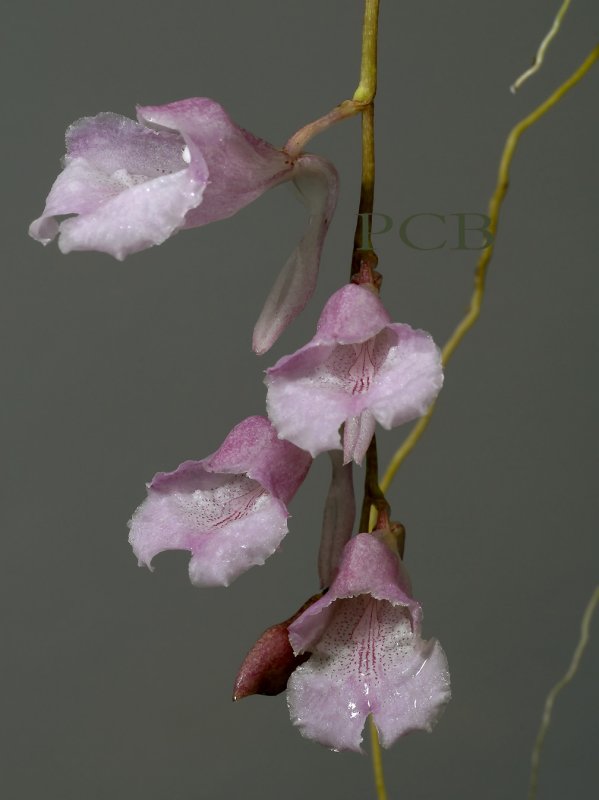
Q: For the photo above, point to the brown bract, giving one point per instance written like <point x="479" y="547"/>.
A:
<point x="270" y="662"/>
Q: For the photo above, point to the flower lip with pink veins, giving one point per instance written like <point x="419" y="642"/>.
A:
<point x="359" y="369"/>
<point x="229" y="510"/>
<point x="367" y="655"/>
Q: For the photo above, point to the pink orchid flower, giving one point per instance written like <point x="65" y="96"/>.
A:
<point x="367" y="654"/>
<point x="229" y="510"/>
<point x="359" y="369"/>
<point x="129" y="185"/>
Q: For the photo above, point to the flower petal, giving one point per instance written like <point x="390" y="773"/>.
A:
<point x="224" y="555"/>
<point x="129" y="185"/>
<point x="351" y="316"/>
<point x="317" y="181"/>
<point x="368" y="566"/>
<point x="323" y="710"/>
<point x="409" y="380"/>
<point x="253" y="447"/>
<point x="79" y="188"/>
<point x="415" y="700"/>
<point x="110" y="142"/>
<point x="357" y="435"/>
<point x="137" y="218"/>
<point x="241" y="166"/>
<point x="305" y="413"/>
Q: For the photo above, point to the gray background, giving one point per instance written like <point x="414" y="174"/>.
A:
<point x="117" y="680"/>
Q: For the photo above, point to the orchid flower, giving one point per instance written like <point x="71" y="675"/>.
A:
<point x="367" y="654"/>
<point x="229" y="510"/>
<point x="131" y="185"/>
<point x="359" y="369"/>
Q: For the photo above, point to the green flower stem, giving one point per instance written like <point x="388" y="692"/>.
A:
<point x="363" y="250"/>
<point x="377" y="763"/>
<point x="367" y="87"/>
<point x="297" y="143"/>
<point x="364" y="94"/>
<point x="364" y="256"/>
